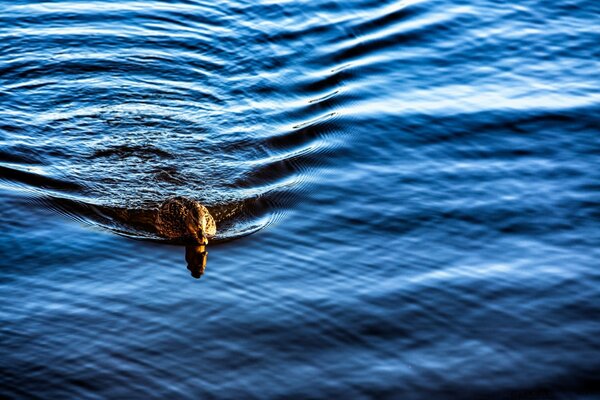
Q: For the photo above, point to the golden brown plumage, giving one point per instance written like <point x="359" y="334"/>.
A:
<point x="180" y="218"/>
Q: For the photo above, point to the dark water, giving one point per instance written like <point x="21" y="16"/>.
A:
<point x="407" y="193"/>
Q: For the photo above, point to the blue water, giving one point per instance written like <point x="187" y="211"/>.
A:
<point x="406" y="194"/>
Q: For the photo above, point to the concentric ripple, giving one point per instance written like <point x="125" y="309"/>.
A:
<point x="104" y="118"/>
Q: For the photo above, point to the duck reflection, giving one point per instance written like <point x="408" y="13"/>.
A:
<point x="196" y="255"/>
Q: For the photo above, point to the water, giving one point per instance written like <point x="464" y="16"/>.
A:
<point x="406" y="195"/>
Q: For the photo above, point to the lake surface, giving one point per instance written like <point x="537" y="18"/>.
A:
<point x="406" y="193"/>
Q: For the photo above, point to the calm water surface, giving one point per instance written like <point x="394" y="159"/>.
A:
<point x="407" y="196"/>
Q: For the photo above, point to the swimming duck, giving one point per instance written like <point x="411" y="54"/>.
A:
<point x="181" y="218"/>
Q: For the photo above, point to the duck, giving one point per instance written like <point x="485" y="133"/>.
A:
<point x="185" y="220"/>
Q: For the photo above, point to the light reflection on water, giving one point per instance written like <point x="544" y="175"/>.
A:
<point x="405" y="196"/>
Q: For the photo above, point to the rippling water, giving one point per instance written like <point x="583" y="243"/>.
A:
<point x="406" y="195"/>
